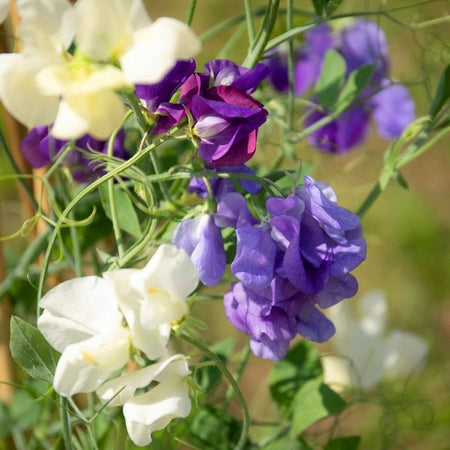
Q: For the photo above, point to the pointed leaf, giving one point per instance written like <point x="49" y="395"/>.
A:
<point x="442" y="93"/>
<point x="357" y="81"/>
<point x="126" y="214"/>
<point x="344" y="443"/>
<point x="31" y="351"/>
<point x="300" y="365"/>
<point x="332" y="77"/>
<point x="314" y="401"/>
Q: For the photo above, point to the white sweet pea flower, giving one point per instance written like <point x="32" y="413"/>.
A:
<point x="121" y="30"/>
<point x="45" y="84"/>
<point x="154" y="297"/>
<point x="365" y="353"/>
<point x="46" y="31"/>
<point x="154" y="409"/>
<point x="81" y="319"/>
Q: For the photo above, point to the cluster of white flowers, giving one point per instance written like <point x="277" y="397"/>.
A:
<point x="366" y="353"/>
<point x="117" y="45"/>
<point x="96" y="323"/>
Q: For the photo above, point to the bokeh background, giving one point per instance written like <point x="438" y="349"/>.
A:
<point x="407" y="230"/>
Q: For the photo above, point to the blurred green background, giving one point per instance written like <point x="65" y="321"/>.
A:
<point x="407" y="230"/>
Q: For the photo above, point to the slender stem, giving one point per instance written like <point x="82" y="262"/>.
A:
<point x="315" y="126"/>
<point x="32" y="252"/>
<point x="259" y="44"/>
<point x="291" y="57"/>
<point x="112" y="199"/>
<point x="64" y="415"/>
<point x="370" y="200"/>
<point x="87" y="190"/>
<point x="131" y="98"/>
<point x="250" y="24"/>
<point x="16" y="170"/>
<point x="191" y="11"/>
<point x="246" y="418"/>
<point x="237" y="376"/>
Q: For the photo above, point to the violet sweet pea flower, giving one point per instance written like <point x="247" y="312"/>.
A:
<point x="227" y="121"/>
<point x="202" y="240"/>
<point x="157" y="96"/>
<point x="40" y="148"/>
<point x="290" y="266"/>
<point x="227" y="117"/>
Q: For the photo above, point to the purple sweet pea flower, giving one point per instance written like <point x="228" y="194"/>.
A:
<point x="40" y="149"/>
<point x="288" y="267"/>
<point x="157" y="96"/>
<point x="227" y="121"/>
<point x="343" y="133"/>
<point x="393" y="109"/>
<point x="202" y="241"/>
<point x="227" y="117"/>
<point x="364" y="42"/>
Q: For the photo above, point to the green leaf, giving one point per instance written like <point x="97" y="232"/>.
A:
<point x="318" y="6"/>
<point x="332" y="6"/>
<point x="401" y="180"/>
<point x="126" y="214"/>
<point x="301" y="364"/>
<point x="331" y="80"/>
<point x="343" y="443"/>
<point x="286" y="444"/>
<point x="356" y="83"/>
<point x="442" y="93"/>
<point x="31" y="351"/>
<point x="314" y="401"/>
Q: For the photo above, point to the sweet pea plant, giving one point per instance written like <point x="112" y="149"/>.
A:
<point x="153" y="190"/>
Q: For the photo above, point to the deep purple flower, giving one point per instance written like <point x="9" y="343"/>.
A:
<point x="202" y="241"/>
<point x="343" y="133"/>
<point x="157" y="96"/>
<point x="295" y="262"/>
<point x="226" y="116"/>
<point x="227" y="121"/>
<point x="40" y="149"/>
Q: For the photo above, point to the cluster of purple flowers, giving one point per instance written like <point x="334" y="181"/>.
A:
<point x="287" y="265"/>
<point x="226" y="117"/>
<point x="40" y="148"/>
<point x="361" y="43"/>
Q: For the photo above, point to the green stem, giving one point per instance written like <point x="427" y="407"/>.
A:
<point x="16" y="170"/>
<point x="315" y="126"/>
<point x="237" y="376"/>
<point x="291" y="58"/>
<point x="249" y="18"/>
<point x="191" y="11"/>
<point x="370" y="200"/>
<point x="32" y="252"/>
<point x="211" y="355"/>
<point x="64" y="415"/>
<point x="112" y="197"/>
<point x="87" y="190"/>
<point x="259" y="44"/>
<point x="132" y="100"/>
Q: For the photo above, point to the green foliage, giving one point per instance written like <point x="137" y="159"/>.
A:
<point x="326" y="7"/>
<point x="442" y="93"/>
<point x="301" y="364"/>
<point x="357" y="81"/>
<point x="31" y="351"/>
<point x="314" y="401"/>
<point x="297" y="389"/>
<point x="343" y="443"/>
<point x="126" y="214"/>
<point x="331" y="80"/>
<point x="287" y="444"/>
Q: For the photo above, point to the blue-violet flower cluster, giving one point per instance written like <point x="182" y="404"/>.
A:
<point x="361" y="43"/>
